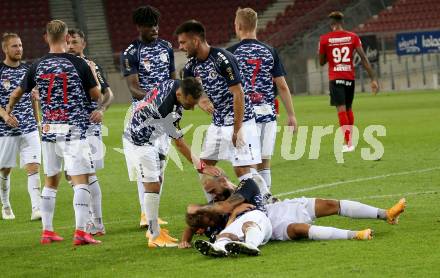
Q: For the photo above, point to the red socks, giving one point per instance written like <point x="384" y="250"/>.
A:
<point x="350" y="117"/>
<point x="343" y="120"/>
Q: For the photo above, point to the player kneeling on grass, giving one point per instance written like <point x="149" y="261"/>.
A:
<point x="290" y="219"/>
<point x="157" y="115"/>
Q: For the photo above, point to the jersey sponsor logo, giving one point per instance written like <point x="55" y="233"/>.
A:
<point x="344" y="82"/>
<point x="230" y="73"/>
<point x="56" y="128"/>
<point x="6" y="84"/>
<point x="342" y="67"/>
<point x="127" y="64"/>
<point x="340" y="40"/>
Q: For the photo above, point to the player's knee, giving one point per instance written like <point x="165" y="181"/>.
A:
<point x="228" y="235"/>
<point x="297" y="231"/>
<point x="32" y="168"/>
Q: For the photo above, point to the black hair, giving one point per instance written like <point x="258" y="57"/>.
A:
<point x="191" y="86"/>
<point x="146" y="16"/>
<point x="336" y="17"/>
<point x="76" y="31"/>
<point x="193" y="27"/>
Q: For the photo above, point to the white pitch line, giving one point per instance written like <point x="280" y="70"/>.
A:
<point x="326" y="185"/>
<point x="394" y="195"/>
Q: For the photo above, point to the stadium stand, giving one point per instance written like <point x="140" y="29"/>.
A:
<point x="28" y="19"/>
<point x="297" y="18"/>
<point x="418" y="14"/>
<point x="217" y="16"/>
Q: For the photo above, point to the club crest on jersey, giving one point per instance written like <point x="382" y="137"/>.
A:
<point x="212" y="75"/>
<point x="147" y="64"/>
<point x="6" y="84"/>
<point x="164" y="57"/>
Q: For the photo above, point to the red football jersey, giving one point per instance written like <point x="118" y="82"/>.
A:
<point x="338" y="47"/>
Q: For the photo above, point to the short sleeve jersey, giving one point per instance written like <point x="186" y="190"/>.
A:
<point x="95" y="128"/>
<point x="339" y="47"/>
<point x="152" y="62"/>
<point x="11" y="78"/>
<point x="157" y="114"/>
<point x="251" y="193"/>
<point x="217" y="73"/>
<point x="63" y="81"/>
<point x="259" y="64"/>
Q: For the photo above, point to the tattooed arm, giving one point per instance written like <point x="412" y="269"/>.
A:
<point x="223" y="207"/>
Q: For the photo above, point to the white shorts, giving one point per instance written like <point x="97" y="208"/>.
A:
<point x="163" y="144"/>
<point x="218" y="145"/>
<point x="27" y="145"/>
<point x="97" y="149"/>
<point x="143" y="162"/>
<point x="284" y="213"/>
<point x="256" y="216"/>
<point x="267" y="133"/>
<point x="76" y="155"/>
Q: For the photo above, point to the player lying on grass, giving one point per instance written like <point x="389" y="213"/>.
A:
<point x="290" y="219"/>
<point x="249" y="229"/>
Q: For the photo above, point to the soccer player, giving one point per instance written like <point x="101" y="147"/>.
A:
<point x="337" y="48"/>
<point x="292" y="219"/>
<point x="261" y="69"/>
<point x="66" y="85"/>
<point x="242" y="235"/>
<point x="156" y="116"/>
<point x="147" y="62"/>
<point x="232" y="134"/>
<point x="76" y="45"/>
<point x="24" y="138"/>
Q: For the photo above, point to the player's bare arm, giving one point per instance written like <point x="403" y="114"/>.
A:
<point x="286" y="98"/>
<point x="187" y="236"/>
<point x="238" y="93"/>
<point x="107" y="98"/>
<point x="369" y="69"/>
<point x="173" y="75"/>
<point x="36" y="109"/>
<point x="205" y="104"/>
<point x="92" y="66"/>
<point x="185" y="150"/>
<point x="322" y="59"/>
<point x="223" y="207"/>
<point x="134" y="87"/>
<point x="239" y="210"/>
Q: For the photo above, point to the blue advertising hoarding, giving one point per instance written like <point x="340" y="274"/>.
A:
<point x="418" y="43"/>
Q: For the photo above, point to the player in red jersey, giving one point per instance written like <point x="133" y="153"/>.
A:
<point x="337" y="48"/>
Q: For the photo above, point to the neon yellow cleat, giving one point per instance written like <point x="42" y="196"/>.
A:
<point x="394" y="212"/>
<point x="366" y="234"/>
<point x="163" y="240"/>
<point x="144" y="224"/>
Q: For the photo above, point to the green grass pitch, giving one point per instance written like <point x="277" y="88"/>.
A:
<point x="409" y="168"/>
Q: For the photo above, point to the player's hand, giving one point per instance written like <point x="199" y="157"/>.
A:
<point x="212" y="171"/>
<point x="242" y="208"/>
<point x="96" y="116"/>
<point x="184" y="244"/>
<point x="238" y="139"/>
<point x="10" y="120"/>
<point x="35" y="94"/>
<point x="206" y="105"/>
<point x="291" y="122"/>
<point x="374" y="87"/>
